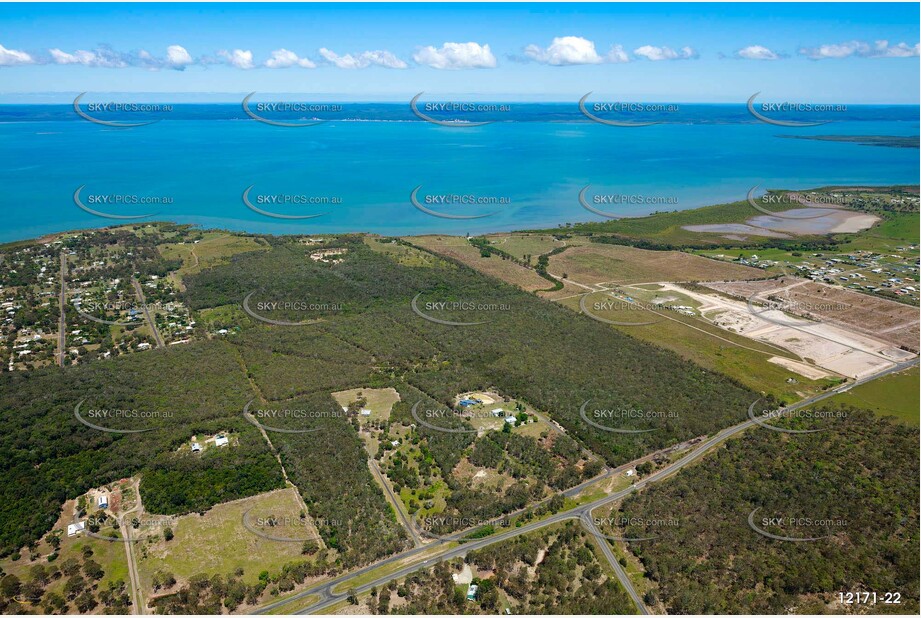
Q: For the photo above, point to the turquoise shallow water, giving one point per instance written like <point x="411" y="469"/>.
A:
<point x="534" y="166"/>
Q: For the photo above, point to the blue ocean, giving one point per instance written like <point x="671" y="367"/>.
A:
<point x="356" y="170"/>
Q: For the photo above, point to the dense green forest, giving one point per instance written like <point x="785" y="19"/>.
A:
<point x="330" y="468"/>
<point x="525" y="347"/>
<point x="859" y="479"/>
<point x="49" y="456"/>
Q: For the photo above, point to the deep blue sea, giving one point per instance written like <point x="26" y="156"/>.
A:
<point x="366" y="159"/>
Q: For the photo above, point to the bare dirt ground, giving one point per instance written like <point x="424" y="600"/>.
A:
<point x="833" y="348"/>
<point x="878" y="317"/>
<point x="797" y="222"/>
<point x="804" y="369"/>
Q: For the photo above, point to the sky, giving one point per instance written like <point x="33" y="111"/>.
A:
<point x="677" y="52"/>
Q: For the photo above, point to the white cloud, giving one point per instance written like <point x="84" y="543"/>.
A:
<point x="365" y="59"/>
<point x="617" y="55"/>
<point x="756" y="52"/>
<point x="879" y="49"/>
<point x="651" y="52"/>
<point x="103" y="57"/>
<point x="177" y="57"/>
<point x="565" y="50"/>
<point x="240" y="58"/>
<point x="456" y="56"/>
<point x="283" y="59"/>
<point x="12" y="57"/>
<point x="902" y="50"/>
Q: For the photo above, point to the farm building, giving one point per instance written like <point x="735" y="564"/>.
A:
<point x="75" y="529"/>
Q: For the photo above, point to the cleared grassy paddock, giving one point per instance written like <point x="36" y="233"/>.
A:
<point x="893" y="395"/>
<point x="218" y="543"/>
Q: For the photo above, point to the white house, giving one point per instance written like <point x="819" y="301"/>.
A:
<point x="221" y="441"/>
<point x="365" y="412"/>
<point x="102" y="500"/>
<point x="510" y="420"/>
<point x="498" y="412"/>
<point x="196" y="447"/>
<point x="75" y="529"/>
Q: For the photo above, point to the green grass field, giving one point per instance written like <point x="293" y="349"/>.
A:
<point x="213" y="249"/>
<point x="379" y="401"/>
<point x="407" y="256"/>
<point x="893" y="395"/>
<point x="520" y="245"/>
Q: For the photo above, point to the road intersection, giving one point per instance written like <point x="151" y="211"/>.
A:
<point x="329" y="596"/>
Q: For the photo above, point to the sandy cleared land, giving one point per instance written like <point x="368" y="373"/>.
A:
<point x="804" y="369"/>
<point x="600" y="263"/>
<point x="735" y="231"/>
<point x="799" y="221"/>
<point x="828" y="346"/>
<point x="843" y="221"/>
<point x="877" y="317"/>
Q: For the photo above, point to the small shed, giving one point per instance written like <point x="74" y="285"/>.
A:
<point x="76" y="528"/>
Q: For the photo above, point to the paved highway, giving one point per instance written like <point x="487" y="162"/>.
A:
<point x="592" y="527"/>
<point x="150" y="321"/>
<point x="62" y="319"/>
